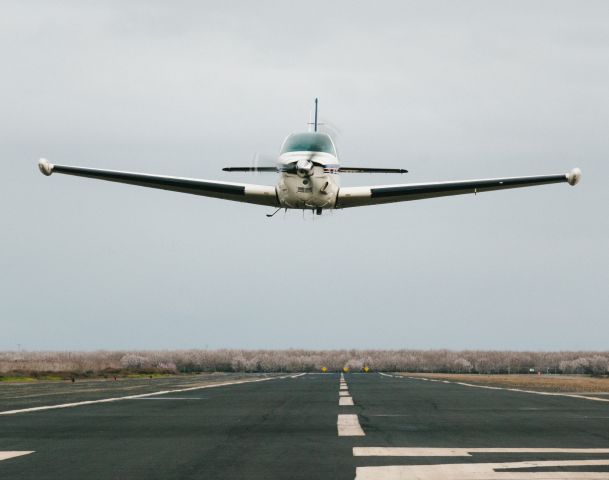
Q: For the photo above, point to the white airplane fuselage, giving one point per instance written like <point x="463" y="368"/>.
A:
<point x="309" y="188"/>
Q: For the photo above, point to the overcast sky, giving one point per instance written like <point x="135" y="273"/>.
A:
<point x="448" y="90"/>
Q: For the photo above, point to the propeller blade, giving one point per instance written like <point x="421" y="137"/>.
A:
<point x="371" y="170"/>
<point x="250" y="169"/>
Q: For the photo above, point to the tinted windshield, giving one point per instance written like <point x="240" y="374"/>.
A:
<point x="308" y="142"/>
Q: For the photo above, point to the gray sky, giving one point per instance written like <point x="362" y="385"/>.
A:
<point x="448" y="90"/>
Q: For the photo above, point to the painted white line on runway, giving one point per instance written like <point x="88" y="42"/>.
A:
<point x="345" y="401"/>
<point x="460" y="452"/>
<point x="392" y="415"/>
<point x="343" y="394"/>
<point x="7" y="455"/>
<point x="130" y="397"/>
<point x="482" y="471"/>
<point x="344" y="387"/>
<point x="385" y="374"/>
<point x="170" y="398"/>
<point x="488" y="387"/>
<point x="348" y="426"/>
<point x="298" y="375"/>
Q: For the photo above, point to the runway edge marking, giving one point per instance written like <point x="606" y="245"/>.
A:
<point x="520" y="390"/>
<point x="129" y="397"/>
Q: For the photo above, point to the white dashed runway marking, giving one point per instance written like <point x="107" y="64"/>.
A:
<point x="345" y="401"/>
<point x="343" y="394"/>
<point x="348" y="426"/>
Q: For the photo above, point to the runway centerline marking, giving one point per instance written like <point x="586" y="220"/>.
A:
<point x="343" y="394"/>
<point x="7" y="455"/>
<point x="345" y="401"/>
<point x="460" y="452"/>
<point x="348" y="426"/>
<point x="131" y="397"/>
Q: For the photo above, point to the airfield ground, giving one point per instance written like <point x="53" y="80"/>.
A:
<point x="375" y="426"/>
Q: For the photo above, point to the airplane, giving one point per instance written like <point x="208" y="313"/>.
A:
<point x="310" y="180"/>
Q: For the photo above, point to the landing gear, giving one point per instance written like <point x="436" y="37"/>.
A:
<point x="269" y="215"/>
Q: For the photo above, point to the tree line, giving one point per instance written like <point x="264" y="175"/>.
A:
<point x="297" y="360"/>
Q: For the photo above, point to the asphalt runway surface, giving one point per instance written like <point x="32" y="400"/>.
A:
<point x="307" y="426"/>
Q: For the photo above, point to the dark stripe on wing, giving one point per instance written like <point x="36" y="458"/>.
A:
<point x="166" y="183"/>
<point x="464" y="187"/>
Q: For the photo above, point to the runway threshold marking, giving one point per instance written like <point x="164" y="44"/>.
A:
<point x="489" y="387"/>
<point x="131" y="397"/>
<point x="483" y="471"/>
<point x="7" y="455"/>
<point x="348" y="426"/>
<point x="460" y="452"/>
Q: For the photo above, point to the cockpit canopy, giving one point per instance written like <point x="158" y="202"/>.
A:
<point x="309" y="142"/>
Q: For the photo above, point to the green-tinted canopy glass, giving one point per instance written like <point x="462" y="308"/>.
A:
<point x="309" y="142"/>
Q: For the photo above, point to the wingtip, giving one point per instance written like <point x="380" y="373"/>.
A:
<point x="45" y="167"/>
<point x="574" y="176"/>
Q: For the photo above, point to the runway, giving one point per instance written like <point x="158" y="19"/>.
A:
<point x="313" y="426"/>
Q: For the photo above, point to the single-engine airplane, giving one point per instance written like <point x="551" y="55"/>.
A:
<point x="309" y="180"/>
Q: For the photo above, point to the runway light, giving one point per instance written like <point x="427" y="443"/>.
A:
<point x="366" y="369"/>
<point x="324" y="369"/>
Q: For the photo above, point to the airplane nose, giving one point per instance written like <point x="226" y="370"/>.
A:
<point x="304" y="167"/>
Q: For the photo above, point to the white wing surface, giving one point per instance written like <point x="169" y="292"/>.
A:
<point x="238" y="192"/>
<point x="374" y="195"/>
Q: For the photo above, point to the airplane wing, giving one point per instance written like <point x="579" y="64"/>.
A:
<point x="238" y="192"/>
<point x="373" y="195"/>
